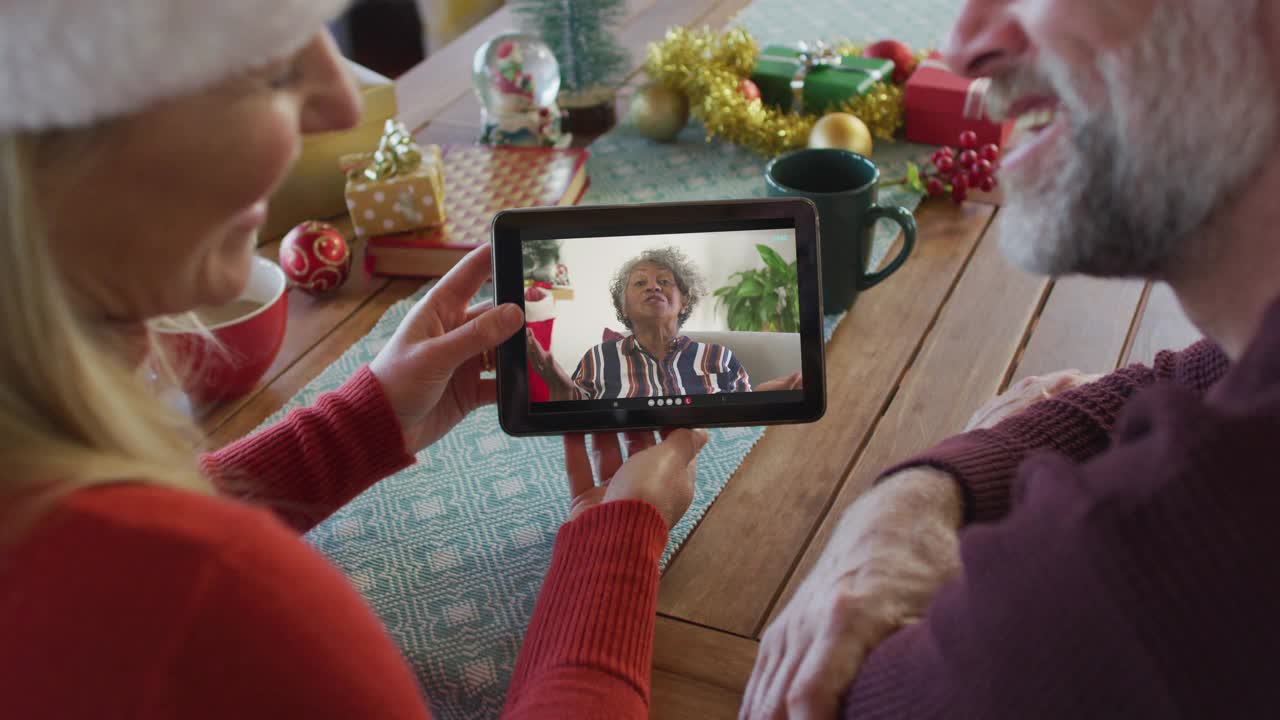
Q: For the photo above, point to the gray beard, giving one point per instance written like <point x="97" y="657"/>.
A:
<point x="1122" y="208"/>
<point x="1089" y="227"/>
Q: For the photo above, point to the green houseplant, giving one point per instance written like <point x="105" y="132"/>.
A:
<point x="765" y="299"/>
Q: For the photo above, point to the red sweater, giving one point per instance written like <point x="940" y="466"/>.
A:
<point x="132" y="601"/>
<point x="1128" y="573"/>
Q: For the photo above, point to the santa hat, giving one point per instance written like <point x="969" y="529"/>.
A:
<point x="69" y="63"/>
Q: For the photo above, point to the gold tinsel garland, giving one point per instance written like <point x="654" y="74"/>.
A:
<point x="709" y="68"/>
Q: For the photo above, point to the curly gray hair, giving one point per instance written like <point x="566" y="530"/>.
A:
<point x="688" y="279"/>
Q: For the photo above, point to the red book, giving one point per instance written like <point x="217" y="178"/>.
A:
<point x="940" y="105"/>
<point x="479" y="181"/>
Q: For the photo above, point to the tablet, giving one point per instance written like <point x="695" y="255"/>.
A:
<point x="662" y="315"/>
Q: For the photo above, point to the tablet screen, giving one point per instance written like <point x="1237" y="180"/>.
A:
<point x="689" y="319"/>
<point x="697" y="314"/>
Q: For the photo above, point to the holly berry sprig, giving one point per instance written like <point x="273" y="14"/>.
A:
<point x="957" y="170"/>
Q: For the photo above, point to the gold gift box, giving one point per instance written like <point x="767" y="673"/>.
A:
<point x="314" y="188"/>
<point x="405" y="201"/>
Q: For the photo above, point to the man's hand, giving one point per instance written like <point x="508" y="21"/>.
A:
<point x="890" y="553"/>
<point x="893" y="549"/>
<point x="1025" y="393"/>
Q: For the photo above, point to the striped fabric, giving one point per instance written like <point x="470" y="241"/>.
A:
<point x="623" y="369"/>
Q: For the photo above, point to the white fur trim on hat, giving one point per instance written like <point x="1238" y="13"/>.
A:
<point x="68" y="63"/>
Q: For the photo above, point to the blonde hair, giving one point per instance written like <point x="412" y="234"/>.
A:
<point x="74" y="412"/>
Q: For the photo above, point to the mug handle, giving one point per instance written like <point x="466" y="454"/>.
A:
<point x="908" y="223"/>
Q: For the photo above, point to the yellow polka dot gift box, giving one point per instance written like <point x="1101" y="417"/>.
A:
<point x="397" y="188"/>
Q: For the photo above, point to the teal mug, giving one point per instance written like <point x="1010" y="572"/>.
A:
<point x="844" y="185"/>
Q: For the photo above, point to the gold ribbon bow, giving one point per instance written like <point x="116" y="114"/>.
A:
<point x="397" y="154"/>
<point x="809" y="59"/>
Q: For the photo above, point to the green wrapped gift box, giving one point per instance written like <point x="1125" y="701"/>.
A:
<point x="831" y="79"/>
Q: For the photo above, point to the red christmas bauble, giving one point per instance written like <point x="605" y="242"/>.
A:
<point x="316" y="257"/>
<point x="904" y="61"/>
<point x="749" y="89"/>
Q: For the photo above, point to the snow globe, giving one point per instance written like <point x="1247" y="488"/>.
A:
<point x="518" y="80"/>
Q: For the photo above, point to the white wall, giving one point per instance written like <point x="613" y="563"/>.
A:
<point x="592" y="263"/>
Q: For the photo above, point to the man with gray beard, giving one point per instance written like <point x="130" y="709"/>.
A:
<point x="1116" y="559"/>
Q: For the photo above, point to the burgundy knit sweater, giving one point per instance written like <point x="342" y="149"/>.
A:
<point x="1127" y="572"/>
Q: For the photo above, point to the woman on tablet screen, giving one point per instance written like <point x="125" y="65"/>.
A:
<point x="653" y="294"/>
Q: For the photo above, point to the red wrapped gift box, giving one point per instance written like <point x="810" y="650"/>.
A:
<point x="940" y="105"/>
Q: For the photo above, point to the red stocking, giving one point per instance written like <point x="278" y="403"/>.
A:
<point x="540" y="314"/>
<point x="542" y="333"/>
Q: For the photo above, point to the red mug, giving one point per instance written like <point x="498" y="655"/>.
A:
<point x="247" y="342"/>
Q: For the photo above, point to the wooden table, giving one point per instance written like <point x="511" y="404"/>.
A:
<point x="911" y="362"/>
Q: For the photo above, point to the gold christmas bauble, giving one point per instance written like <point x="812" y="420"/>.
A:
<point x="843" y="132"/>
<point x="659" y="112"/>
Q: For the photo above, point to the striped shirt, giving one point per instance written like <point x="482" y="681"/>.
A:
<point x="624" y="369"/>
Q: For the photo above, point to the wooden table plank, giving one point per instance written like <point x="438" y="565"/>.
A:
<point x="1085" y="325"/>
<point x="1163" y="326"/>
<point x="702" y="654"/>
<point x="435" y="83"/>
<point x="963" y="362"/>
<point x="723" y="14"/>
<point x="675" y="697"/>
<point x="784" y="487"/>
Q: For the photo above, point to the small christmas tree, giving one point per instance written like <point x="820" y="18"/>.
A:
<point x="540" y="259"/>
<point x="580" y="34"/>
